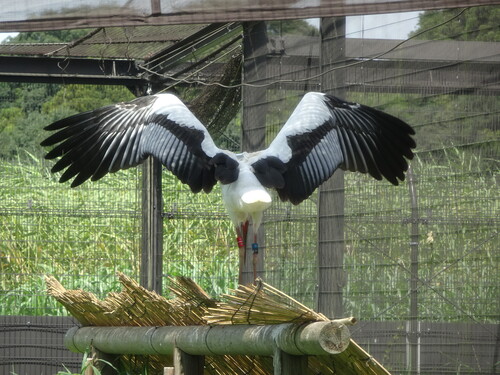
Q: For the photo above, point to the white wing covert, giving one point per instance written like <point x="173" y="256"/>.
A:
<point x="325" y="133"/>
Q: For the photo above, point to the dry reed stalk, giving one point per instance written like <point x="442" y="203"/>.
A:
<point x="188" y="291"/>
<point x="84" y="306"/>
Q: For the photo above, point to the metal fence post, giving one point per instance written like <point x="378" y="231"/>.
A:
<point x="413" y="335"/>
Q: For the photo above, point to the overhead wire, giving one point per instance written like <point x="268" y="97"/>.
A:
<point x="313" y="77"/>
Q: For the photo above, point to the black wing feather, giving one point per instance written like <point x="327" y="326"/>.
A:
<point x="91" y="144"/>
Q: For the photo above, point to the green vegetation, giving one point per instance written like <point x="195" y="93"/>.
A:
<point x="84" y="235"/>
<point x="25" y="109"/>
<point x="93" y="367"/>
<point x="458" y="208"/>
<point x="47" y="222"/>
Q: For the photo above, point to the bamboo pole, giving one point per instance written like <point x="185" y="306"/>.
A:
<point x="318" y="338"/>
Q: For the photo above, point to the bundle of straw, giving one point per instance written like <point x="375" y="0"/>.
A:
<point x="260" y="304"/>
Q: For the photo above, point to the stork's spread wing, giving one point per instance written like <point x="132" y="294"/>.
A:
<point x="121" y="136"/>
<point x="325" y="133"/>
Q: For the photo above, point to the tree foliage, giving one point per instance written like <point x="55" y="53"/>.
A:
<point x="460" y="119"/>
<point x="81" y="98"/>
<point x="26" y="108"/>
<point x="56" y="36"/>
<point x="475" y="24"/>
<point x="295" y="27"/>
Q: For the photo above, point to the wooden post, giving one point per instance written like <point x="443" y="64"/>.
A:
<point x="254" y="120"/>
<point x="152" y="226"/>
<point x="287" y="364"/>
<point x="186" y="364"/>
<point x="331" y="194"/>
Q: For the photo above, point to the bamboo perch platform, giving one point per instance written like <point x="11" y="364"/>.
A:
<point x="252" y="305"/>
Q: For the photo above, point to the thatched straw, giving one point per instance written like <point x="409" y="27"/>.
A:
<point x="255" y="304"/>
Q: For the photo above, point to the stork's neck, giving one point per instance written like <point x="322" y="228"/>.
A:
<point x="246" y="158"/>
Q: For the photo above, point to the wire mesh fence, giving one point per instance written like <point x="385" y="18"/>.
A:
<point x="84" y="236"/>
<point x="447" y="273"/>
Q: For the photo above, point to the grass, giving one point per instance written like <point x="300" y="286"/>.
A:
<point x="458" y="248"/>
<point x="84" y="235"/>
<point x="95" y="366"/>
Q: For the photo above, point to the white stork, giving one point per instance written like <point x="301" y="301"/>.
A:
<point x="322" y="134"/>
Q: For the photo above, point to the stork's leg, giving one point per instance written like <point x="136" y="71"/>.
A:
<point x="241" y="232"/>
<point x="255" y="249"/>
<point x="256" y="220"/>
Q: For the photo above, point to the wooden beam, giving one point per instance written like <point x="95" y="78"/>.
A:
<point x="254" y="121"/>
<point x="317" y="338"/>
<point x="331" y="194"/>
<point x="152" y="226"/>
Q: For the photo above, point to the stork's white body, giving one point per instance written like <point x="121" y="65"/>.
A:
<point x="246" y="197"/>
